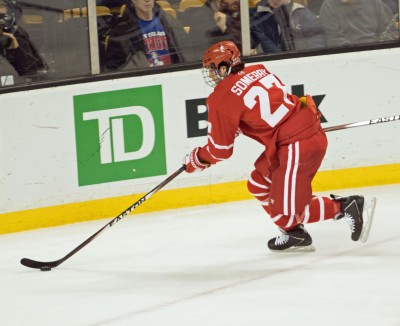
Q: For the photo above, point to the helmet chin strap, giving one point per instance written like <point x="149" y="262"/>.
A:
<point x="228" y="71"/>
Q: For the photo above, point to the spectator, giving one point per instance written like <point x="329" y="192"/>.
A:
<point x="283" y="25"/>
<point x="352" y="22"/>
<point x="264" y="29"/>
<point x="146" y="36"/>
<point x="15" y="44"/>
<point x="215" y="21"/>
<point x="105" y="23"/>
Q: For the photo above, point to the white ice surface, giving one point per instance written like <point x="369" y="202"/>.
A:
<point x="206" y="266"/>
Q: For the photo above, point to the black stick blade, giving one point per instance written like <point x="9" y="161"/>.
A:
<point x="38" y="264"/>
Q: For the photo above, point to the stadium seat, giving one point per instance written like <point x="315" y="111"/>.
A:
<point x="82" y="12"/>
<point x="32" y="19"/>
<point x="253" y="3"/>
<point x="115" y="10"/>
<point x="184" y="4"/>
<point x="302" y="2"/>
<point x="164" y="4"/>
<point x="170" y="11"/>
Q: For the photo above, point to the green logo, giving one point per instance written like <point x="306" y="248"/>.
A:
<point x="119" y="135"/>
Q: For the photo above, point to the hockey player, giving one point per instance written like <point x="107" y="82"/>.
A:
<point x="254" y="102"/>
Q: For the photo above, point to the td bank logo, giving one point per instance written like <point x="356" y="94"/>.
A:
<point x="119" y="135"/>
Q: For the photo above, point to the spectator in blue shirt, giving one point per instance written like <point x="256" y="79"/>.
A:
<point x="146" y="36"/>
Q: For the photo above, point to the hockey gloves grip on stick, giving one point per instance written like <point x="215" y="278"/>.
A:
<point x="192" y="162"/>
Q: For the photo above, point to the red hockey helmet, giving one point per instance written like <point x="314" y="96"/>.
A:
<point x="222" y="53"/>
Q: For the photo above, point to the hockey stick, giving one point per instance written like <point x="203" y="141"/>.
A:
<point x="46" y="266"/>
<point x="363" y="123"/>
<point x="49" y="265"/>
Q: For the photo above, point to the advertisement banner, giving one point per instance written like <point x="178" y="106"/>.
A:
<point x="119" y="135"/>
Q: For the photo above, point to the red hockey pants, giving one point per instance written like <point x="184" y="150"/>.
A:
<point x="284" y="186"/>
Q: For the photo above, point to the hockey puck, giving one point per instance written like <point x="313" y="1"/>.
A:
<point x="45" y="268"/>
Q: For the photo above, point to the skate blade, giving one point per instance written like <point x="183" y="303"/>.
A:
<point x="369" y="210"/>
<point x="297" y="249"/>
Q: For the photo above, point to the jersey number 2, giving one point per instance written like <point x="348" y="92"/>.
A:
<point x="263" y="97"/>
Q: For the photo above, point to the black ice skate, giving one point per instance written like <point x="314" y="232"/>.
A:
<point x="358" y="213"/>
<point x="292" y="241"/>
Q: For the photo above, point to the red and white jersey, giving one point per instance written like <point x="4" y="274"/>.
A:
<point x="253" y="101"/>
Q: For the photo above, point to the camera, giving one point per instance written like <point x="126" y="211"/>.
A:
<point x="8" y="25"/>
<point x="8" y="22"/>
<point x="5" y="41"/>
